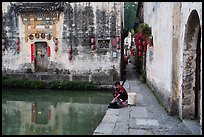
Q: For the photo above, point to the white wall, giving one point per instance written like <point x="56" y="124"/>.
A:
<point x="159" y="16"/>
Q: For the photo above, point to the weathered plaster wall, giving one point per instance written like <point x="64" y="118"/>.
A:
<point x="186" y="9"/>
<point x="167" y="54"/>
<point x="74" y="29"/>
<point x="158" y="62"/>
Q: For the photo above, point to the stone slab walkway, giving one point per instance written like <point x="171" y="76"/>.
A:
<point x="147" y="117"/>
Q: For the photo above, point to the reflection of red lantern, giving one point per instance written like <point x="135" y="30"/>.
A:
<point x="18" y="41"/>
<point x="18" y="48"/>
<point x="92" y="47"/>
<point x="56" y="41"/>
<point x="70" y="56"/>
<point x="56" y="48"/>
<point x="3" y="47"/>
<point x="118" y="39"/>
<point x="139" y="53"/>
<point x="92" y="41"/>
<point x="70" y="50"/>
<point x="3" y="41"/>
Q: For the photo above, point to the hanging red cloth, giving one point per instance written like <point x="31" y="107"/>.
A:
<point x="32" y="52"/>
<point x="48" y="50"/>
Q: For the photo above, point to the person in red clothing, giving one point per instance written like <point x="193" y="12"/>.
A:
<point x="120" y="95"/>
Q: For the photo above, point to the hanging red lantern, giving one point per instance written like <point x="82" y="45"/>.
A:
<point x="136" y="38"/>
<point x="56" y="41"/>
<point x="118" y="46"/>
<point x="145" y="49"/>
<point x="144" y="43"/>
<point x="139" y="47"/>
<point x="139" y="53"/>
<point x="139" y="42"/>
<point x="56" y="48"/>
<point x="142" y="36"/>
<point x="48" y="50"/>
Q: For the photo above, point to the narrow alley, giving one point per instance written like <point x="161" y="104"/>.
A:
<point x="148" y="117"/>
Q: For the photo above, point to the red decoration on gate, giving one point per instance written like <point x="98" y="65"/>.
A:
<point x="32" y="52"/>
<point x="48" y="50"/>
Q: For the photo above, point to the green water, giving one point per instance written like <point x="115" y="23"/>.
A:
<point x="52" y="112"/>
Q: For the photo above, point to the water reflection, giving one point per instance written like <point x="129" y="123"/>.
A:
<point x="50" y="116"/>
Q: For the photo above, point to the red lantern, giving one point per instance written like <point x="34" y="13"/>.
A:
<point x="139" y="42"/>
<point x="142" y="36"/>
<point x="144" y="43"/>
<point x="56" y="48"/>
<point x="136" y="38"/>
<point x="139" y="53"/>
<point x="92" y="47"/>
<point x="145" y="49"/>
<point x="139" y="47"/>
<point x="118" y="46"/>
<point x="56" y="41"/>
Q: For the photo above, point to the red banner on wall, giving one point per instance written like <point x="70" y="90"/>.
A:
<point x="32" y="52"/>
<point x="48" y="50"/>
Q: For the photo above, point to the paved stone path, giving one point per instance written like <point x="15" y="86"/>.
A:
<point x="147" y="117"/>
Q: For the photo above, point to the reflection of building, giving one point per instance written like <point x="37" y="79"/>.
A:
<point x="19" y="117"/>
<point x="42" y="117"/>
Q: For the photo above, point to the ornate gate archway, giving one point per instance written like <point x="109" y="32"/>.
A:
<point x="191" y="72"/>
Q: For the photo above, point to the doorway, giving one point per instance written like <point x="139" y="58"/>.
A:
<point x="192" y="67"/>
<point x="41" y="59"/>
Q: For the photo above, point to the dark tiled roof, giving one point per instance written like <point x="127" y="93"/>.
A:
<point x="22" y="7"/>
